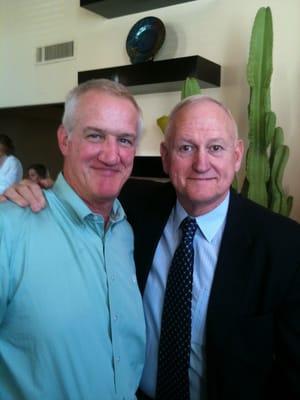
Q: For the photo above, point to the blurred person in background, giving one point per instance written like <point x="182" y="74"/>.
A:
<point x="11" y="170"/>
<point x="36" y="172"/>
<point x="39" y="173"/>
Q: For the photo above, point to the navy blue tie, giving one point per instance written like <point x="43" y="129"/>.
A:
<point x="175" y="336"/>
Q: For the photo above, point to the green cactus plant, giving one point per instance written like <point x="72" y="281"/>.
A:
<point x="266" y="156"/>
<point x="278" y="200"/>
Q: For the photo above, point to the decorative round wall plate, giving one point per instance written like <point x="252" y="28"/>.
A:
<point x="144" y="39"/>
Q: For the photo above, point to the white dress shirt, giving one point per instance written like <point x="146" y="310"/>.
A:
<point x="207" y="242"/>
<point x="11" y="172"/>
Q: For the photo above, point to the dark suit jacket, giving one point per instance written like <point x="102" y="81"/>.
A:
<point x="253" y="318"/>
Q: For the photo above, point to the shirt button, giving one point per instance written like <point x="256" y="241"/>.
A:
<point x="134" y="279"/>
<point x="118" y="359"/>
<point x="113" y="277"/>
<point x="116" y="317"/>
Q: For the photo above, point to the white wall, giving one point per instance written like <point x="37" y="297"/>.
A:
<point x="215" y="29"/>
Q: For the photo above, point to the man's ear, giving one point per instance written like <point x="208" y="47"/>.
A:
<point x="165" y="157"/>
<point x="63" y="140"/>
<point x="239" y="152"/>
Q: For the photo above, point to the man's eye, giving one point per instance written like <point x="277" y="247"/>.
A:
<point x="216" y="148"/>
<point x="126" y="141"/>
<point x="94" y="137"/>
<point x="186" y="148"/>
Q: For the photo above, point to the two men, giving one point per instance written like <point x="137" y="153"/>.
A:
<point x="71" y="317"/>
<point x="245" y="304"/>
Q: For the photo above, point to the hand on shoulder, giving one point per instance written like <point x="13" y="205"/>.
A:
<point x="27" y="194"/>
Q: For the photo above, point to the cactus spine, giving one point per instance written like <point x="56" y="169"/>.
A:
<point x="264" y="172"/>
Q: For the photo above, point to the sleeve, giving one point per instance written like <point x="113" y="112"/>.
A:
<point x="10" y="173"/>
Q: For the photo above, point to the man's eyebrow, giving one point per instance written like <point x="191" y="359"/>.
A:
<point x="92" y="128"/>
<point x="217" y="139"/>
<point x="105" y="132"/>
<point x="126" y="134"/>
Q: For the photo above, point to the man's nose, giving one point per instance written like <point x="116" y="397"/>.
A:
<point x="109" y="153"/>
<point x="201" y="160"/>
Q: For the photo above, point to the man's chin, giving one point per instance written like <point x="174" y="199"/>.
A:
<point x="106" y="196"/>
<point x="199" y="198"/>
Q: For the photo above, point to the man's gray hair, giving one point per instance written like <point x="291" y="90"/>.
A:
<point x="100" y="85"/>
<point x="199" y="98"/>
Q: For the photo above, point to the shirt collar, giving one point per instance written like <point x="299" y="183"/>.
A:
<point x="77" y="207"/>
<point x="208" y="223"/>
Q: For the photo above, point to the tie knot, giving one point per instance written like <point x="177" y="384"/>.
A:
<point x="188" y="227"/>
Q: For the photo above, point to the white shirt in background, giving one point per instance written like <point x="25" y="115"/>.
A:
<point x="11" y="172"/>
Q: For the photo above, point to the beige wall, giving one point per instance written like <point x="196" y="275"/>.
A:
<point x="216" y="29"/>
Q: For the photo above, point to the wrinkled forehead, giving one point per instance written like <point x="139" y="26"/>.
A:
<point x="203" y="118"/>
<point x="98" y="102"/>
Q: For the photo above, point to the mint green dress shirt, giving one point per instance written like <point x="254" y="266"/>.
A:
<point x="71" y="315"/>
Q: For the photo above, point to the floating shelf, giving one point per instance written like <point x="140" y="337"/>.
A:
<point x="159" y="76"/>
<point x="116" y="8"/>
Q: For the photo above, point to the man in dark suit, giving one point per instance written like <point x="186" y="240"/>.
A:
<point x="245" y="339"/>
<point x="245" y="305"/>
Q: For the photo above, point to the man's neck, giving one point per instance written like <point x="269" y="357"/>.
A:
<point x="103" y="210"/>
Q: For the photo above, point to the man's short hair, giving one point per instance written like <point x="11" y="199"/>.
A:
<point x="100" y="85"/>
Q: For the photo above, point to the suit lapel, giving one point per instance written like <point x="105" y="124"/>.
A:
<point x="156" y="216"/>
<point x="148" y="205"/>
<point x="233" y="266"/>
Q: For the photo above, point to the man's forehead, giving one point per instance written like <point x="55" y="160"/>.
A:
<point x="203" y="112"/>
<point x="202" y="118"/>
<point x="209" y="124"/>
<point x="101" y="96"/>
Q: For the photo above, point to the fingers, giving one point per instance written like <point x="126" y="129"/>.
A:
<point x="26" y="193"/>
<point x="2" y="198"/>
<point x="46" y="183"/>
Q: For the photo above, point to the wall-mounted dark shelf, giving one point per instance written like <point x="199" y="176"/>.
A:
<point x="159" y="76"/>
<point x="116" y="8"/>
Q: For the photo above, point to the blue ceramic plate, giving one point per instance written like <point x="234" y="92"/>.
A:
<point x="144" y="39"/>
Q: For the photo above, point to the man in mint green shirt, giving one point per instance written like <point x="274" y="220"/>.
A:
<point x="71" y="316"/>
